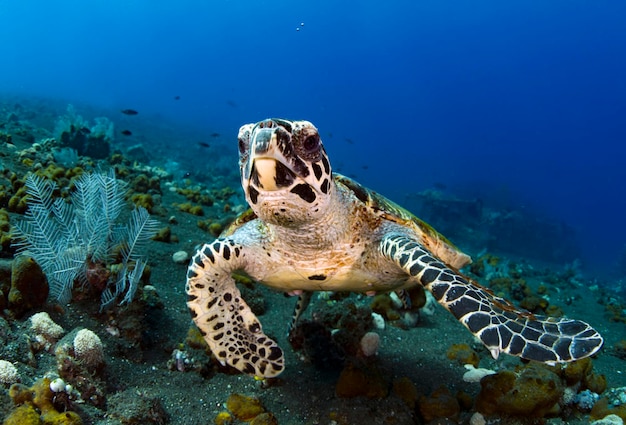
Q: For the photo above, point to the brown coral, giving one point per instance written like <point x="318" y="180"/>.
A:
<point x="533" y="393"/>
<point x="464" y="354"/>
<point x="440" y="404"/>
<point x="29" y="286"/>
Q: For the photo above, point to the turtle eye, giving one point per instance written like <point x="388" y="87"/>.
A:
<point x="311" y="143"/>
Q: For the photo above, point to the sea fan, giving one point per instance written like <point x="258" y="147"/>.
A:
<point x="66" y="238"/>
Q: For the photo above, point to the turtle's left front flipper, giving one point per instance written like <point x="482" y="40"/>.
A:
<point x="497" y="323"/>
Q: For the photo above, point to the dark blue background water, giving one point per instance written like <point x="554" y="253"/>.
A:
<point x="522" y="100"/>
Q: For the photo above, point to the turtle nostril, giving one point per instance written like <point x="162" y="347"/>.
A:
<point x="243" y="146"/>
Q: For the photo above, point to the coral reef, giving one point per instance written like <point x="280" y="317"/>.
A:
<point x="539" y="391"/>
<point x="405" y="389"/>
<point x="246" y="409"/>
<point x="475" y="374"/>
<point x="73" y="131"/>
<point x="362" y="381"/>
<point x="88" y="349"/>
<point x="150" y="377"/>
<point x="440" y="404"/>
<point x="463" y="354"/>
<point x="46" y="331"/>
<point x="369" y="344"/>
<point x="243" y="407"/>
<point x="80" y="363"/>
<point x="404" y="312"/>
<point x="8" y="373"/>
<point x="36" y="405"/>
<point x="534" y="393"/>
<point x="66" y="157"/>
<point x="29" y="286"/>
<point x="5" y="231"/>
<point x="604" y="408"/>
<point x="499" y="230"/>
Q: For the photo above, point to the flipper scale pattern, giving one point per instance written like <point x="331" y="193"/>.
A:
<point x="499" y="325"/>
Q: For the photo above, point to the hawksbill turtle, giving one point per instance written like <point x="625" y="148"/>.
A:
<point x="310" y="229"/>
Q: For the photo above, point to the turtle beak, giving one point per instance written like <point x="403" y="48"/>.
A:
<point x="270" y="174"/>
<point x="268" y="169"/>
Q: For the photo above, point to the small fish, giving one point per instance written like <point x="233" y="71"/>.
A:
<point x="204" y="144"/>
<point x="126" y="132"/>
<point x="439" y="186"/>
<point x="232" y="104"/>
<point x="129" y="112"/>
<point x="350" y="141"/>
<point x="365" y="167"/>
<point x="214" y="135"/>
<point x="176" y="97"/>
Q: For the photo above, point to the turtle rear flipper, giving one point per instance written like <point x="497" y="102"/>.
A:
<point x="301" y="305"/>
<point x="497" y="323"/>
<point x="229" y="327"/>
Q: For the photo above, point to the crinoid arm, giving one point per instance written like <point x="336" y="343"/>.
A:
<point x="229" y="327"/>
<point x="499" y="325"/>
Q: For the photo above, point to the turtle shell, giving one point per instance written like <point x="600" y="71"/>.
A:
<point x="432" y="240"/>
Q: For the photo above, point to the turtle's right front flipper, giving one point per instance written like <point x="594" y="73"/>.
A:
<point x="228" y="325"/>
<point x="497" y="323"/>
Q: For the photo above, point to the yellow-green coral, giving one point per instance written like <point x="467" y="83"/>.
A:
<point x="383" y="305"/>
<point x="189" y="208"/>
<point x="243" y="407"/>
<point x="5" y="231"/>
<point x="144" y="200"/>
<point x="195" y="339"/>
<point x="17" y="202"/>
<point x="29" y="286"/>
<point x="213" y="227"/>
<point x="163" y="235"/>
<point x="195" y="195"/>
<point x="34" y="406"/>
<point x="23" y="415"/>
<point x="464" y="354"/>
<point x="265" y="418"/>
<point x="223" y="418"/>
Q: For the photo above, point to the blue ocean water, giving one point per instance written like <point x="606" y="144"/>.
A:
<point x="521" y="98"/>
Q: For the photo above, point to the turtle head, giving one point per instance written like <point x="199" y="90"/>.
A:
<point x="285" y="172"/>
